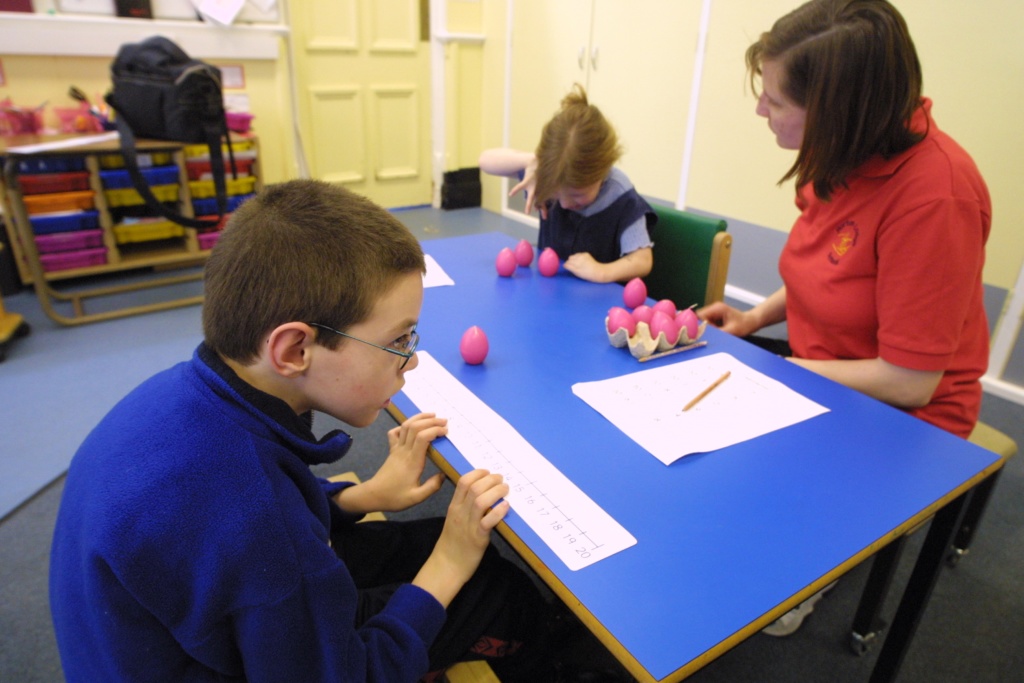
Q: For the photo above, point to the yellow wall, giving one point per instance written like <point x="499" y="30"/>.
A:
<point x="973" y="67"/>
<point x="464" y="78"/>
<point x="32" y="80"/>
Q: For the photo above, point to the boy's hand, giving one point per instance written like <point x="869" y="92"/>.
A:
<point x="474" y="511"/>
<point x="396" y="485"/>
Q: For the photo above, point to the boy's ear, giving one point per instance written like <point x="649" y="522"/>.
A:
<point x="288" y="348"/>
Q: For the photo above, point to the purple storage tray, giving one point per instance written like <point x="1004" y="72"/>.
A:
<point x="69" y="241"/>
<point x="66" y="260"/>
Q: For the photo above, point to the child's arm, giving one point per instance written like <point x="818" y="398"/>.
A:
<point x="475" y="509"/>
<point x="634" y="264"/>
<point x="512" y="162"/>
<point x="396" y="485"/>
<point x="504" y="161"/>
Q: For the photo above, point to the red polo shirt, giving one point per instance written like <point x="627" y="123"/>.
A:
<point x="892" y="265"/>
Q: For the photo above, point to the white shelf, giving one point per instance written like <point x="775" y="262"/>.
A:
<point x="98" y="36"/>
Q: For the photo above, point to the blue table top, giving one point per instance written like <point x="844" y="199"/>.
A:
<point x="725" y="539"/>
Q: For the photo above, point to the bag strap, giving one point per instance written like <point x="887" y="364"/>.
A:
<point x="131" y="162"/>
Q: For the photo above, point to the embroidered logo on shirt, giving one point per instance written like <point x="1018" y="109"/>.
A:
<point x="846" y="238"/>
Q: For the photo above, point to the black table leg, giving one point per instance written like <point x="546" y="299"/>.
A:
<point x="930" y="562"/>
<point x="867" y="623"/>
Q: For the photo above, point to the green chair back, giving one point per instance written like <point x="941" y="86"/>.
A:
<point x="691" y="258"/>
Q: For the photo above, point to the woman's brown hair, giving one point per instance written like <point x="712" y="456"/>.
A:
<point x="852" y="66"/>
<point x="301" y="251"/>
<point x="578" y="147"/>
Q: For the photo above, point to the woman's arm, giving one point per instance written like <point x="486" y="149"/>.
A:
<point x="892" y="384"/>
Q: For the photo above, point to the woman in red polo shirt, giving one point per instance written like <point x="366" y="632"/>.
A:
<point x="882" y="270"/>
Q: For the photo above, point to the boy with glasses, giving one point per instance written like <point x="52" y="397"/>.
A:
<point x="193" y="541"/>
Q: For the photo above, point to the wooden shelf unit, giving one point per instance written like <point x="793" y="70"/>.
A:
<point x="163" y="254"/>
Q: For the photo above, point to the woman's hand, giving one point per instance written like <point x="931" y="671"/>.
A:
<point x="743" y="323"/>
<point x="728" y="319"/>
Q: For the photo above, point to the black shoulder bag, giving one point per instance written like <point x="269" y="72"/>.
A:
<point x="159" y="92"/>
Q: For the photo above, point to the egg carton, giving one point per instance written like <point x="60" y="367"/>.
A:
<point x="642" y="344"/>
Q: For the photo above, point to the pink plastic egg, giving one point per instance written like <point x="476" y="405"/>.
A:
<point x="666" y="306"/>
<point x="634" y="293"/>
<point x="643" y="314"/>
<point x="686" y="318"/>
<point x="524" y="253"/>
<point x="505" y="263"/>
<point x="619" y="318"/>
<point x="547" y="262"/>
<point x="474" y="346"/>
<point x="664" y="324"/>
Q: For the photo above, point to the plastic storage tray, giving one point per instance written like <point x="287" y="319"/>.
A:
<point x="59" y="201"/>
<point x="48" y="164"/>
<point x="208" y="207"/>
<point x="42" y="183"/>
<point x="208" y="239"/>
<point x="201" y="189"/>
<point x="146" y="231"/>
<point x="202" y="150"/>
<point x="67" y="221"/>
<point x="145" y="160"/>
<point x="157" y="175"/>
<point x="131" y="197"/>
<point x="199" y="169"/>
<point x="69" y="241"/>
<point x="213" y="217"/>
<point x="66" y="260"/>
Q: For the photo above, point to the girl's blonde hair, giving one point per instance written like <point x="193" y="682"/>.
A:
<point x="578" y="147"/>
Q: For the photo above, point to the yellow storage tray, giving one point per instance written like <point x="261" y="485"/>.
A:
<point x="145" y="160"/>
<point x="146" y="231"/>
<point x="202" y="150"/>
<point x="129" y="196"/>
<point x="59" y="201"/>
<point x="202" y="189"/>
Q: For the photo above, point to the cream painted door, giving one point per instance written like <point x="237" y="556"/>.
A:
<point x="363" y="93"/>
<point x="636" y="60"/>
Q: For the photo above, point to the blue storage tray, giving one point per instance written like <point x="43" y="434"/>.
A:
<point x="65" y="221"/>
<point x="47" y="164"/>
<point x="158" y="175"/>
<point x="208" y="207"/>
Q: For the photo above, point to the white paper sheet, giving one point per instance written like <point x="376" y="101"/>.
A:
<point x="435" y="275"/>
<point x="648" y="405"/>
<point x="66" y="143"/>
<point x="576" y="529"/>
<point x="220" y="11"/>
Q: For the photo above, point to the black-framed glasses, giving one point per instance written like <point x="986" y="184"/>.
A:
<point x="404" y="346"/>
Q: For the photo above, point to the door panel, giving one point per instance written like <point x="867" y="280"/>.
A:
<point x="363" y="78"/>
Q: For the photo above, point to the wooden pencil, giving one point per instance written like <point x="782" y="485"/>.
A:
<point x="707" y="391"/>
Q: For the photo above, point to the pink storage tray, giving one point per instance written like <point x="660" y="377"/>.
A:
<point x="69" y="241"/>
<point x="66" y="260"/>
<point x="208" y="239"/>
